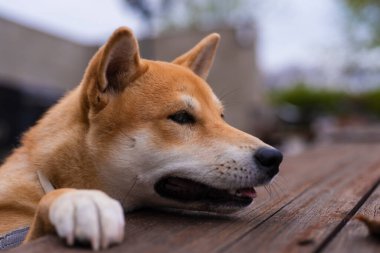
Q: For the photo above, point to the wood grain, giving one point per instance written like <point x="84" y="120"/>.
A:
<point x="314" y="193"/>
<point x="213" y="235"/>
<point x="308" y="220"/>
<point x="354" y="236"/>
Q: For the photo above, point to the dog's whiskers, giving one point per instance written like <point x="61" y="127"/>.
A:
<point x="213" y="170"/>
<point x="228" y="93"/>
<point x="268" y="191"/>
<point x="281" y="184"/>
<point x="130" y="190"/>
<point x="274" y="188"/>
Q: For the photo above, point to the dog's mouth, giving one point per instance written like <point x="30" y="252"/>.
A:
<point x="187" y="190"/>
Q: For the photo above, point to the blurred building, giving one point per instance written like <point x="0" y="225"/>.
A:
<point x="36" y="68"/>
<point x="32" y="58"/>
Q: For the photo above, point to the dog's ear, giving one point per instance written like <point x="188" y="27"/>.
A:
<point x="200" y="58"/>
<point x="114" y="66"/>
<point x="119" y="61"/>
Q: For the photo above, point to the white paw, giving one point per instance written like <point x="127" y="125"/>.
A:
<point x="89" y="216"/>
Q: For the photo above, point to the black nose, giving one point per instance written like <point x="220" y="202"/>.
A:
<point x="268" y="159"/>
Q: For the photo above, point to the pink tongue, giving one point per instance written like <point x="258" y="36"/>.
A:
<point x="248" y="192"/>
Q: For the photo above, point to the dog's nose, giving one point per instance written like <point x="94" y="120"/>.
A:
<point x="268" y="159"/>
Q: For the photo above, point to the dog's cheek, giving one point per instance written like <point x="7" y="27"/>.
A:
<point x="131" y="151"/>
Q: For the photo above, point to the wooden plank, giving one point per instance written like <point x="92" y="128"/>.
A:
<point x="175" y="236"/>
<point x="153" y="231"/>
<point x="305" y="223"/>
<point x="354" y="236"/>
<point x="299" y="175"/>
<point x="143" y="229"/>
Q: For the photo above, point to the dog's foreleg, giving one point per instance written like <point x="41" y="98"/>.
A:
<point x="41" y="224"/>
<point x="79" y="215"/>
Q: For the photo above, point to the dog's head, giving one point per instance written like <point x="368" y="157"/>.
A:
<point x="157" y="133"/>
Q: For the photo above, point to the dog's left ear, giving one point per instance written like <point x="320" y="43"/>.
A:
<point x="114" y="66"/>
<point x="200" y="58"/>
<point x="119" y="61"/>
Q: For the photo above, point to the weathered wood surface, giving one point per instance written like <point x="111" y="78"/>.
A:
<point x="305" y="210"/>
<point x="354" y="237"/>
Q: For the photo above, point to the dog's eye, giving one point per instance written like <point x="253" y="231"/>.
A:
<point x="182" y="117"/>
<point x="222" y="115"/>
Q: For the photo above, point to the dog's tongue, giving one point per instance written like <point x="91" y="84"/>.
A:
<point x="247" y="192"/>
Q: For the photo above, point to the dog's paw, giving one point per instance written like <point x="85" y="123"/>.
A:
<point x="88" y="216"/>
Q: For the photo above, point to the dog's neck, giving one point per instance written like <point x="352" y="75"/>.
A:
<point x="61" y="153"/>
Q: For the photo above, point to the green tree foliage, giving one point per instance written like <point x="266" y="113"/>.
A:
<point x="364" y="21"/>
<point x="311" y="100"/>
<point x="314" y="102"/>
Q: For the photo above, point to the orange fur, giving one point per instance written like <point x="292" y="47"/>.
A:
<point x="120" y="94"/>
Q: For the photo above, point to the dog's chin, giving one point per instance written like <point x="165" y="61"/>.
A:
<point x="198" y="196"/>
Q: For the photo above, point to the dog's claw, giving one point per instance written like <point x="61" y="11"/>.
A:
<point x="88" y="215"/>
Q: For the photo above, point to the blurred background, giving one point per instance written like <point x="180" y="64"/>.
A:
<point x="293" y="72"/>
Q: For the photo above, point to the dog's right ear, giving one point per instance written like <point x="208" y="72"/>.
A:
<point x="201" y="57"/>
<point x="113" y="67"/>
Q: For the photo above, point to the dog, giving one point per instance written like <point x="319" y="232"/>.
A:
<point x="134" y="133"/>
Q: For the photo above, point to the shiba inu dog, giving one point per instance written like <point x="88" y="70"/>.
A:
<point x="134" y="133"/>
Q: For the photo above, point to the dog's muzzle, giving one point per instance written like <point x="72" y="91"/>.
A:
<point x="186" y="190"/>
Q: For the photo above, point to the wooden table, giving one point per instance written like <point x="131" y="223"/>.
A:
<point x="308" y="208"/>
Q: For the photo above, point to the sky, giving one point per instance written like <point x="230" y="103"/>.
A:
<point x="84" y="21"/>
<point x="291" y="32"/>
<point x="298" y="32"/>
